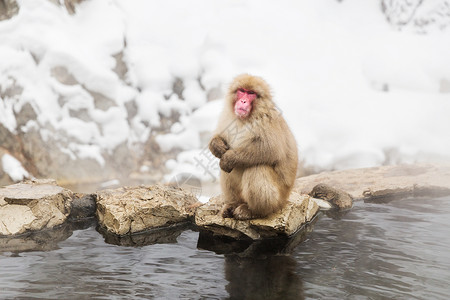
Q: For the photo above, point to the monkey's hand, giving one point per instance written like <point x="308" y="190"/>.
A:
<point x="228" y="162"/>
<point x="218" y="146"/>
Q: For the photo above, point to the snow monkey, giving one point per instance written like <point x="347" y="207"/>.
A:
<point x="257" y="151"/>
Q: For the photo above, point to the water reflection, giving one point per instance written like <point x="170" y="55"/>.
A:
<point x="253" y="249"/>
<point x="85" y="267"/>
<point x="272" y="277"/>
<point x="395" y="250"/>
<point x="167" y="235"/>
<point x="259" y="269"/>
<point x="44" y="240"/>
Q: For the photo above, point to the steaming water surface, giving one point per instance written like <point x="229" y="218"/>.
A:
<point x="392" y="250"/>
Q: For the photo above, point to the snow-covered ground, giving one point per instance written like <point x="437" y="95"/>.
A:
<point x="356" y="91"/>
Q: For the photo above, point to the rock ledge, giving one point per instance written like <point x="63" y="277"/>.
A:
<point x="385" y="182"/>
<point x="33" y="205"/>
<point x="299" y="210"/>
<point x="128" y="210"/>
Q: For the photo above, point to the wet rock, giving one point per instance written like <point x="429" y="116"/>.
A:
<point x="33" y="205"/>
<point x="338" y="198"/>
<point x="83" y="206"/>
<point x="299" y="210"/>
<point x="129" y="210"/>
<point x="385" y="182"/>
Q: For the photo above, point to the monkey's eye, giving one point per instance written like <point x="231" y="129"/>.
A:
<point x="251" y="92"/>
<point x="241" y="90"/>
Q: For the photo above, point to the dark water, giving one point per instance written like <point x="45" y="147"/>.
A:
<point x="396" y="250"/>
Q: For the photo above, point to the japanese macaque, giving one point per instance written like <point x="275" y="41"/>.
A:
<point x="257" y="151"/>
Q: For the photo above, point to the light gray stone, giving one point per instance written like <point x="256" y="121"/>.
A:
<point x="397" y="181"/>
<point x="129" y="210"/>
<point x="33" y="205"/>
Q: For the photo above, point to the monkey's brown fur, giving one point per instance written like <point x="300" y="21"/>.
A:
<point x="258" y="154"/>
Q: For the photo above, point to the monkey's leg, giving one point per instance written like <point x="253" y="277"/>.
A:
<point x="231" y="189"/>
<point x="260" y="193"/>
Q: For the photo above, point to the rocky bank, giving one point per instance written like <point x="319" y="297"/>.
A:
<point x="162" y="211"/>
<point x="386" y="182"/>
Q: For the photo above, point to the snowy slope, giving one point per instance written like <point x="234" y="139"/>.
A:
<point x="355" y="90"/>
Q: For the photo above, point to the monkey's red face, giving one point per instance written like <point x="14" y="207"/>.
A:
<point x="243" y="104"/>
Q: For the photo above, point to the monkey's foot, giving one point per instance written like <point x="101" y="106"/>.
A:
<point x="242" y="213"/>
<point x="228" y="210"/>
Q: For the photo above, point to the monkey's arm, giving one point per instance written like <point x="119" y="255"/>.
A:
<point x="218" y="146"/>
<point x="256" y="153"/>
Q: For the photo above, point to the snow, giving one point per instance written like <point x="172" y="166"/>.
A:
<point x="355" y="90"/>
<point x="13" y="168"/>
